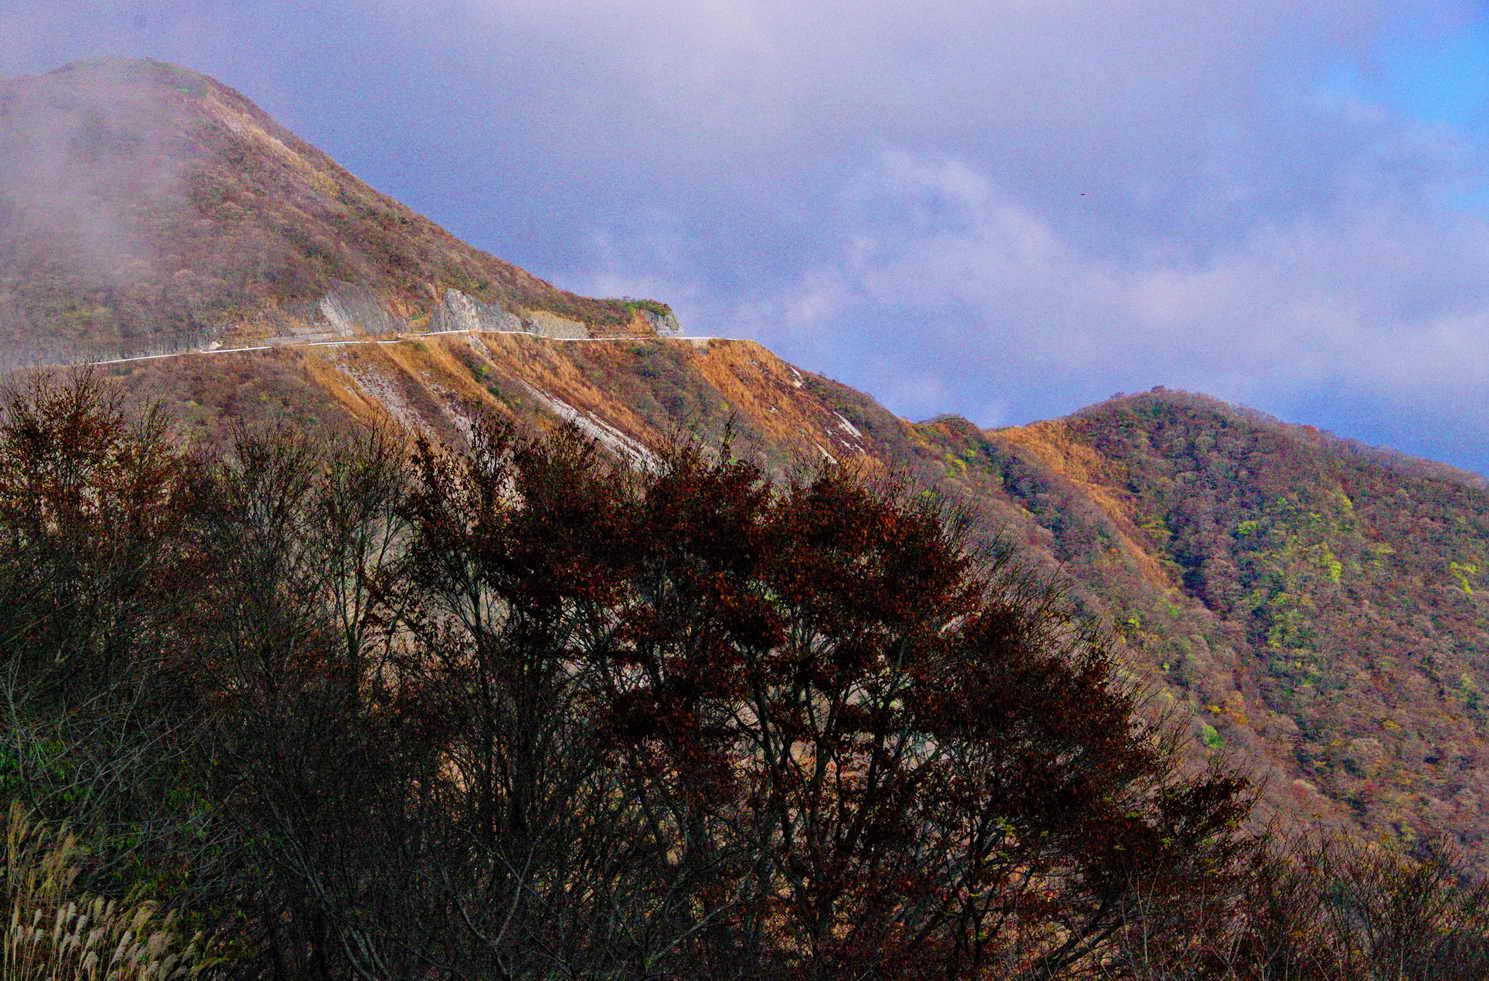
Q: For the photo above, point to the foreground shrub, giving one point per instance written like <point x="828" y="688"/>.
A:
<point x="55" y="933"/>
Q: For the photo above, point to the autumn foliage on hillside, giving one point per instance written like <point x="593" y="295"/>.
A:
<point x="1350" y="583"/>
<point x="387" y="709"/>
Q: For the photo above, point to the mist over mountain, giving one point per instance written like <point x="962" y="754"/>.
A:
<point x="1315" y="609"/>
<point x="144" y="206"/>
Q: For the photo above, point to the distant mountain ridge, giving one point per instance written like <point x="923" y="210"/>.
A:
<point x="1314" y="608"/>
<point x="1382" y="455"/>
<point x="1334" y="608"/>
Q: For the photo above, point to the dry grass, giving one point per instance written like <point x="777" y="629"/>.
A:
<point x="1056" y="446"/>
<point x="53" y="933"/>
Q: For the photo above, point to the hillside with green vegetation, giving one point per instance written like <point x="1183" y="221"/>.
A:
<point x="1333" y="599"/>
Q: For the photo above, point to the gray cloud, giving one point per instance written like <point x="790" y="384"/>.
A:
<point x="1015" y="210"/>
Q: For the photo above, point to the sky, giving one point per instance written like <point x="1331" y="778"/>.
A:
<point x="1005" y="209"/>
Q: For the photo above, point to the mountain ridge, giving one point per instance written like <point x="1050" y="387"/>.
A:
<point x="1383" y="455"/>
<point x="1285" y="592"/>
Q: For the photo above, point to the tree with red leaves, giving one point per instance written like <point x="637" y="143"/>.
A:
<point x="825" y="736"/>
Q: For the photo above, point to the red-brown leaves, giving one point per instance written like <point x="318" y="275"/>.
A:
<point x="826" y="701"/>
<point x="91" y="507"/>
<point x="681" y="722"/>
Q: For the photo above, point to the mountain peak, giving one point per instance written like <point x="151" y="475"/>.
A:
<point x="145" y="206"/>
<point x="1165" y="407"/>
<point x="117" y="68"/>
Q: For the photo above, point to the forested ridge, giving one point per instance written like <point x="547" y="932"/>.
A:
<point x="1337" y="600"/>
<point x="384" y="708"/>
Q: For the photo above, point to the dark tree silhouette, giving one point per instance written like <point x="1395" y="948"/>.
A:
<point x="836" y="742"/>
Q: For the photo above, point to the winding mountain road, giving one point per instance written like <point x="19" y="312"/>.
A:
<point x="397" y="339"/>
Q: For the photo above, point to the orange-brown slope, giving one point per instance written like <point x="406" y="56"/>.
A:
<point x="1384" y="733"/>
<point x="1054" y="446"/>
<point x="644" y="392"/>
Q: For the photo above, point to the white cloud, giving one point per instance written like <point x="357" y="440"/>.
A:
<point x="1378" y="295"/>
